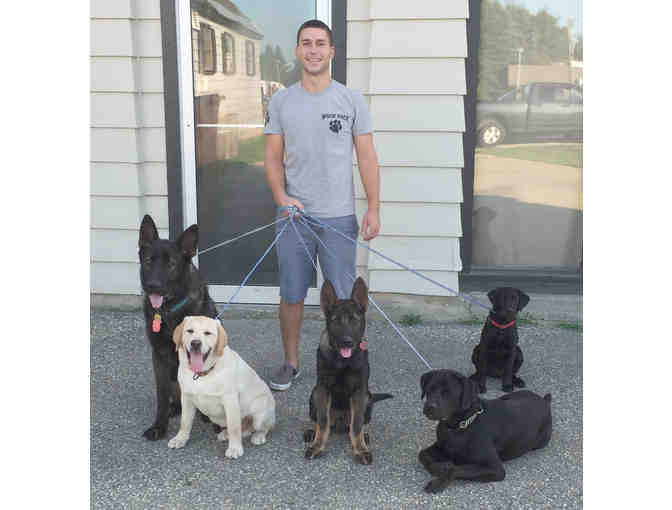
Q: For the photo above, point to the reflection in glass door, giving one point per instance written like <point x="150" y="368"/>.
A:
<point x="528" y="208"/>
<point x="242" y="52"/>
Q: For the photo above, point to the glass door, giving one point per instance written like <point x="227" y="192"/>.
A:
<point x="528" y="205"/>
<point x="233" y="55"/>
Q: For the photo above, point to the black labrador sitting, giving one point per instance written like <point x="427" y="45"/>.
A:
<point x="173" y="289"/>
<point x="341" y="397"/>
<point x="498" y="353"/>
<point x="475" y="435"/>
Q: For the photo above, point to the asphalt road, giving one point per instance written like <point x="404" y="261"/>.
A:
<point x="129" y="472"/>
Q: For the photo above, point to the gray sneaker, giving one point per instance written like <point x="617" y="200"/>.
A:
<point x="283" y="378"/>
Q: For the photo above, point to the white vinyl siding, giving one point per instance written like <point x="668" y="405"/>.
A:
<point x="409" y="61"/>
<point x="417" y="184"/>
<point x="421" y="113"/>
<point x="128" y="149"/>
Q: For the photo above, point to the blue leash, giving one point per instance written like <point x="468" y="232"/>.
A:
<point x="240" y="236"/>
<point x="352" y="278"/>
<point x="315" y="221"/>
<point x="270" y="246"/>
<point x="307" y="221"/>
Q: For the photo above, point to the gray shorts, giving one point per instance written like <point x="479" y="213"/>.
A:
<point x="337" y="260"/>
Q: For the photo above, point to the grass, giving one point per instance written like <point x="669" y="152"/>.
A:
<point x="576" y="326"/>
<point x="411" y="319"/>
<point x="475" y="321"/>
<point x="568" y="154"/>
<point x="251" y="151"/>
<point x="526" y="319"/>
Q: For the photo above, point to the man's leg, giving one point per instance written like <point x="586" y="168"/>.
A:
<point x="291" y="317"/>
<point x="338" y="259"/>
<point x="296" y="272"/>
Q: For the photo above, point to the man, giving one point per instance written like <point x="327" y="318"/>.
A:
<point x="310" y="130"/>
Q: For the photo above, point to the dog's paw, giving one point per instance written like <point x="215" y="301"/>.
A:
<point x="364" y="458"/>
<point x="507" y="388"/>
<point x="234" y="451"/>
<point x="313" y="452"/>
<point x="308" y="436"/>
<point x="155" y="432"/>
<point x="223" y="435"/>
<point x="178" y="441"/>
<point x="435" y="486"/>
<point x="258" y="438"/>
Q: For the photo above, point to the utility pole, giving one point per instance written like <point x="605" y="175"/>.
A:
<point x="520" y="53"/>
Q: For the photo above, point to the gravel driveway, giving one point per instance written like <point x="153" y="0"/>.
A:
<point x="129" y="472"/>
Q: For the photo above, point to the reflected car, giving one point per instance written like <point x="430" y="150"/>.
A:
<point x="537" y="109"/>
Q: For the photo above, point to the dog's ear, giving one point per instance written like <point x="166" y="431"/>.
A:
<point x="222" y="339"/>
<point x="492" y="295"/>
<point x="327" y="296"/>
<point x="188" y="241"/>
<point x="424" y="381"/>
<point x="360" y="294"/>
<point x="148" y="232"/>
<point x="523" y="299"/>
<point x="177" y="336"/>
<point x="469" y="392"/>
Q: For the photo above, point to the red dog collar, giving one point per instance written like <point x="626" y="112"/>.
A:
<point x="502" y="326"/>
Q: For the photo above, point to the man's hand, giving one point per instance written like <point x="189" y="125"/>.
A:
<point x="370" y="224"/>
<point x="291" y="201"/>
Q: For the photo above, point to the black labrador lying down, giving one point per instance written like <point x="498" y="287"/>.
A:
<point x="475" y="435"/>
<point x="341" y="397"/>
<point x="498" y="353"/>
<point x="173" y="289"/>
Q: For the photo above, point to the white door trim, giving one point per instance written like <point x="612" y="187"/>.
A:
<point x="185" y="84"/>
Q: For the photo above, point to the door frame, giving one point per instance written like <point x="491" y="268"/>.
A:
<point x="180" y="127"/>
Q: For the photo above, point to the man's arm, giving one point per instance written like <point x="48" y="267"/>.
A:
<point x="275" y="171"/>
<point x="370" y="174"/>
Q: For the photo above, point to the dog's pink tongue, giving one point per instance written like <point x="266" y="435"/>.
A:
<point x="156" y="300"/>
<point x="196" y="361"/>
<point x="346" y="352"/>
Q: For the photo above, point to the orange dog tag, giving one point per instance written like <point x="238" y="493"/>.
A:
<point x="156" y="323"/>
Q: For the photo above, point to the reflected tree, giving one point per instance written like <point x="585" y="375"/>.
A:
<point x="504" y="29"/>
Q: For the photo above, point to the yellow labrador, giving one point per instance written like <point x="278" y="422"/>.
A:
<point x="217" y="382"/>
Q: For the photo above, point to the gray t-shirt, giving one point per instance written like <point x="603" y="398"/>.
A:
<point x="318" y="131"/>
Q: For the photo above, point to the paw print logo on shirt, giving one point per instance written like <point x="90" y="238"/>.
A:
<point x="335" y="125"/>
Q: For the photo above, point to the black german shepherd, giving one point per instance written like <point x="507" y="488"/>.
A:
<point x="341" y="397"/>
<point x="173" y="289"/>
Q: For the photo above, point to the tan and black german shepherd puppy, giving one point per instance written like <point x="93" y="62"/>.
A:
<point x="341" y="397"/>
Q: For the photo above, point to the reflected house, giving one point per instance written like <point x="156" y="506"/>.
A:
<point x="556" y="72"/>
<point x="227" y="78"/>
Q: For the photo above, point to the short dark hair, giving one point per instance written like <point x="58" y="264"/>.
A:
<point x="315" y="23"/>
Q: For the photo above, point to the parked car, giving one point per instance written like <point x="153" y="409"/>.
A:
<point x="536" y="109"/>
